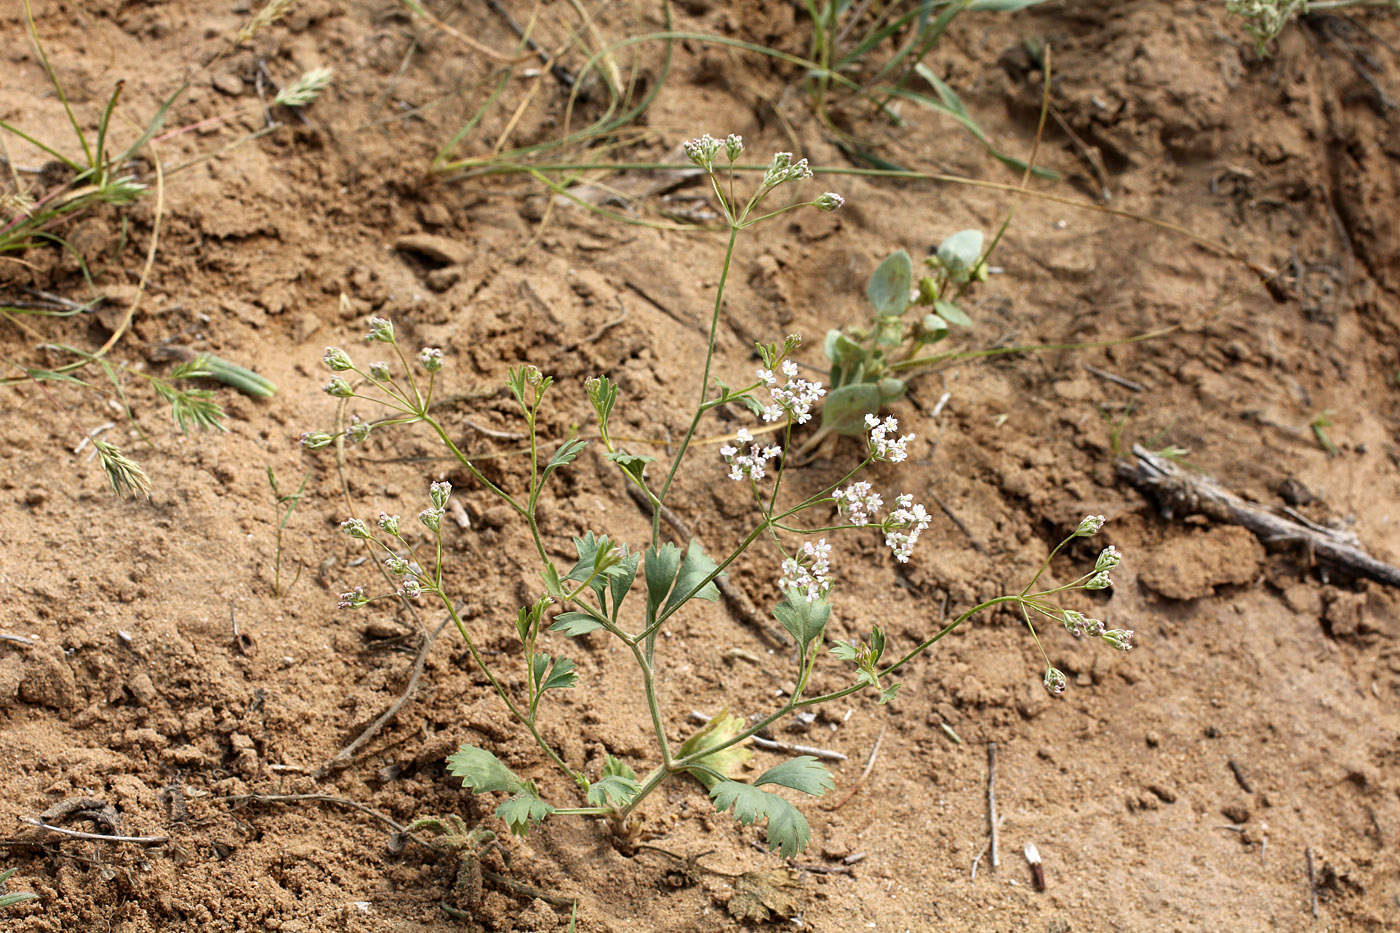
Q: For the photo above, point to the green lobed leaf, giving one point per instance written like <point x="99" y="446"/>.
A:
<point x="803" y="773"/>
<point x="660" y="569"/>
<point x="694" y="568"/>
<point x="805" y="621"/>
<point x="787" y="827"/>
<point x="617" y="767"/>
<point x="561" y="676"/>
<point x="566" y="453"/>
<point x="574" y="624"/>
<point x="521" y="810"/>
<point x="634" y="464"/>
<point x="888" y="288"/>
<point x="482" y="771"/>
<point x="888" y="693"/>
<point x="621" y="579"/>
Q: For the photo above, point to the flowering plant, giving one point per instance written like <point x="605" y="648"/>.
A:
<point x="593" y="594"/>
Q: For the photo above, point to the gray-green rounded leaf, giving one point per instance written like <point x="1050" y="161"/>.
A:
<point x="961" y="250"/>
<point x="888" y="289"/>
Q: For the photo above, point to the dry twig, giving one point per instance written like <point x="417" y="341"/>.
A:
<point x="992" y="800"/>
<point x="1179" y="492"/>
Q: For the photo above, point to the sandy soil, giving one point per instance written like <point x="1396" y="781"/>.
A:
<point x="1178" y="787"/>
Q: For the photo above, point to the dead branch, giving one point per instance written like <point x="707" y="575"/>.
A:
<point x="1178" y="492"/>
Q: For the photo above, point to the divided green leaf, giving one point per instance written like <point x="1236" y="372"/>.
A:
<point x="613" y="791"/>
<point x="787" y="827"/>
<point x="574" y="624"/>
<point x="521" y="810"/>
<point x="634" y="464"/>
<point x="803" y="773"/>
<point x="720" y="729"/>
<point x="482" y="771"/>
<point x="566" y="453"/>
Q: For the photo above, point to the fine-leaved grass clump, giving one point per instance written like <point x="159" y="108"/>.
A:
<point x="631" y="591"/>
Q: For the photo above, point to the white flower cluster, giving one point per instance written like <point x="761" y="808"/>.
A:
<point x="884" y="445"/>
<point x="903" y="527"/>
<point x="793" y="399"/>
<point x="754" y="464"/>
<point x="809" y="571"/>
<point x="859" y="503"/>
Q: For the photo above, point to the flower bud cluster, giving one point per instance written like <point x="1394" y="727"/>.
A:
<point x="337" y="360"/>
<point x="381" y="330"/>
<point x="809" y="571"/>
<point x="353" y="599"/>
<point x="431" y="359"/>
<point x="883" y="445"/>
<point x="315" y="440"/>
<point x="358" y="430"/>
<point x="379" y="371"/>
<point x="830" y="201"/>
<point x="389" y="523"/>
<point x="1055" y="680"/>
<point x="753" y="465"/>
<point x="338" y="388"/>
<point x="702" y="150"/>
<point x="784" y="169"/>
<point x="1078" y="625"/>
<point x="1089" y="526"/>
<point x="793" y="399"/>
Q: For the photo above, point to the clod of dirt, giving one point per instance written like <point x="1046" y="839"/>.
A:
<point x="759" y="895"/>
<point x="441" y="250"/>
<point x="1235" y="812"/>
<point x="1192" y="566"/>
<point x="40" y="676"/>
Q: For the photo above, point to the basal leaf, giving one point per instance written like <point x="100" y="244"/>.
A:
<point x="888" y="289"/>
<point x="802" y="773"/>
<point x="961" y="250"/>
<point x="482" y="771"/>
<point x="717" y="731"/>
<point x="952" y="313"/>
<point x="787" y="827"/>
<point x="845" y="408"/>
<point x="521" y="810"/>
<point x="614" y="790"/>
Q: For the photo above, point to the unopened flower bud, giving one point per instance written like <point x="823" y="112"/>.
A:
<point x="431" y="359"/>
<point x="354" y="528"/>
<point x="1099" y="581"/>
<point x="353" y="599"/>
<point x="315" y="440"/>
<point x="831" y="201"/>
<point x="379" y="371"/>
<point x="1109" y="558"/>
<point x="380" y="329"/>
<point x="338" y="388"/>
<point x="733" y="145"/>
<point x="1119" y="638"/>
<point x="337" y="360"/>
<point x="358" y="430"/>
<point x="1075" y="623"/>
<point x="777" y="172"/>
<point x="389" y="523"/>
<point x="701" y="151"/>
<point x="438" y="492"/>
<point x="410" y="587"/>
<point x="1089" y="526"/>
<point x="798" y="171"/>
<point x="397" y="565"/>
<point x="432" y="518"/>
<point x="1055" y="680"/>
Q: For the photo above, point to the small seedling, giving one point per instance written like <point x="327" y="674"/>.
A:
<point x="291" y="501"/>
<point x="1319" y="426"/>
<point x="16" y="897"/>
<point x="631" y="595"/>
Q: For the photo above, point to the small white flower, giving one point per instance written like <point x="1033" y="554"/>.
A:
<point x="809" y="571"/>
<point x="858" y="502"/>
<point x="903" y="526"/>
<point x="883" y="445"/>
<point x="751" y="465"/>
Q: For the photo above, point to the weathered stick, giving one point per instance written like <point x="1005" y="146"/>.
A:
<point x="992" y="800"/>
<point x="1178" y="492"/>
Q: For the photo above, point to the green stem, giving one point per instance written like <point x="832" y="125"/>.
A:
<point x="505" y="697"/>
